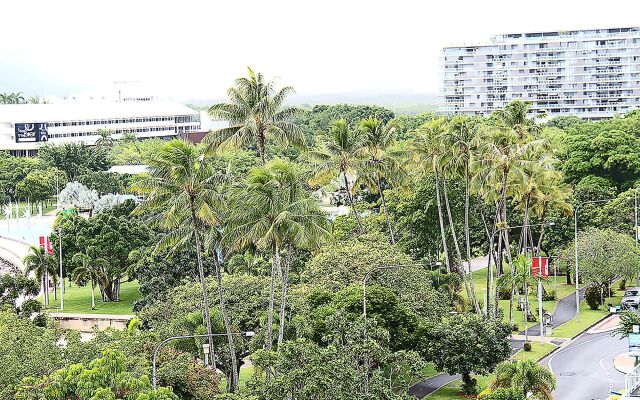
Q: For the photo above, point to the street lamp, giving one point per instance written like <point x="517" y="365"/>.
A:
<point x="575" y="245"/>
<point x="367" y="275"/>
<point x="155" y="353"/>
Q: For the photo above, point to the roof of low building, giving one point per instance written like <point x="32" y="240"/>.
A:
<point x="90" y="110"/>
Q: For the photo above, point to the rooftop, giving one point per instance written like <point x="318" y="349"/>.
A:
<point x="90" y="110"/>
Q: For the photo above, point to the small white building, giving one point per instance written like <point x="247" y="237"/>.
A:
<point x="25" y="127"/>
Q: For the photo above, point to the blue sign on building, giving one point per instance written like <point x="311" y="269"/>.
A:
<point x="32" y="132"/>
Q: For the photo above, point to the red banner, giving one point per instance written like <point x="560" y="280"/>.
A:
<point x="540" y="267"/>
<point x="45" y="244"/>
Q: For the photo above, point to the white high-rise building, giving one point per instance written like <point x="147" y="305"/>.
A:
<point x="592" y="73"/>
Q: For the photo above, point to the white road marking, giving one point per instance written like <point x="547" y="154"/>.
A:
<point x="606" y="370"/>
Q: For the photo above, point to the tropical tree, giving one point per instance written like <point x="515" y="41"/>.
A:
<point x="182" y="196"/>
<point x="460" y="143"/>
<point x="427" y="152"/>
<point x="384" y="163"/>
<point x="104" y="138"/>
<point x="256" y="112"/>
<point x="43" y="266"/>
<point x="340" y="156"/>
<point x="273" y="212"/>
<point x="87" y="271"/>
<point x="528" y="377"/>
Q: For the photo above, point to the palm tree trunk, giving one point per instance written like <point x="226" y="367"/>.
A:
<point x="233" y="386"/>
<point x="205" y="295"/>
<point x="261" y="147"/>
<point x="275" y="266"/>
<point x="461" y="271"/>
<point x="283" y="296"/>
<point x="467" y="238"/>
<point x="386" y="213"/>
<point x="352" y="204"/>
<point x="440" y="219"/>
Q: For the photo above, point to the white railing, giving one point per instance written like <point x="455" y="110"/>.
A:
<point x="632" y="383"/>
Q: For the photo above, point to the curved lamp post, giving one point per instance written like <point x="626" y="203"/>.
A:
<point x="155" y="353"/>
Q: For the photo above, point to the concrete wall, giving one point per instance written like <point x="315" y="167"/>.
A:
<point x="87" y="322"/>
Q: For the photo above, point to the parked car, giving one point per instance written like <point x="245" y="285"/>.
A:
<point x="631" y="298"/>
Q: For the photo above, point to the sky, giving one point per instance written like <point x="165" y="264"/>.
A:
<point x="191" y="49"/>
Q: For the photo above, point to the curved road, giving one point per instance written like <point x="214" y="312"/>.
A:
<point x="584" y="369"/>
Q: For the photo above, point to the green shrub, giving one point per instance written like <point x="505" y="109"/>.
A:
<point x="549" y="295"/>
<point x="527" y="346"/>
<point x="623" y="284"/>
<point x="503" y="394"/>
<point x="592" y="297"/>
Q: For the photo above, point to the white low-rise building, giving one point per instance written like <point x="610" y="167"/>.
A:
<point x="25" y="127"/>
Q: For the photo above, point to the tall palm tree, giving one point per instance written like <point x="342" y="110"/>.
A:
<point x="528" y="377"/>
<point x="182" y="190"/>
<point x="256" y="111"/>
<point x="342" y="155"/>
<point x="384" y="161"/>
<point x="87" y="271"/>
<point x="4" y="98"/>
<point x="427" y="152"/>
<point x="461" y="144"/>
<point x="43" y="266"/>
<point x="272" y="211"/>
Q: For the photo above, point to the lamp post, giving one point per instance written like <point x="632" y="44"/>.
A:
<point x="575" y="246"/>
<point x="367" y="275"/>
<point x="162" y="343"/>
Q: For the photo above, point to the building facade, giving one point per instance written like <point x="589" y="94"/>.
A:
<point x="25" y="127"/>
<point x="592" y="74"/>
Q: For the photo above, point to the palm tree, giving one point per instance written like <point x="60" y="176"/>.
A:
<point x="427" y="151"/>
<point x="384" y="160"/>
<point x="528" y="377"/>
<point x="4" y="98"/>
<point x="16" y="98"/>
<point x="182" y="191"/>
<point x="87" y="271"/>
<point x="256" y="112"/>
<point x="273" y="212"/>
<point x="42" y="265"/>
<point x="341" y="156"/>
<point x="105" y="138"/>
<point x="461" y="143"/>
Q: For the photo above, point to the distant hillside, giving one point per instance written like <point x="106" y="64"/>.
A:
<point x="401" y="103"/>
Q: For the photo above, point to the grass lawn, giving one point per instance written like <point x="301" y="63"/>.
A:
<point x="452" y="390"/>
<point x="245" y="376"/>
<point x="538" y="351"/>
<point x="78" y="300"/>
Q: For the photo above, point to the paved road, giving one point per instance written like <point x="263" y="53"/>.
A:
<point x="584" y="369"/>
<point x="565" y="311"/>
<point x="428" y="386"/>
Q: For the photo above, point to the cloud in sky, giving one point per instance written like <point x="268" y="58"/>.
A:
<point x="194" y="49"/>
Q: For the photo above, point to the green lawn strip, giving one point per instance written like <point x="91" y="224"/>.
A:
<point x="429" y="371"/>
<point x="78" y="300"/>
<point x="538" y="351"/>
